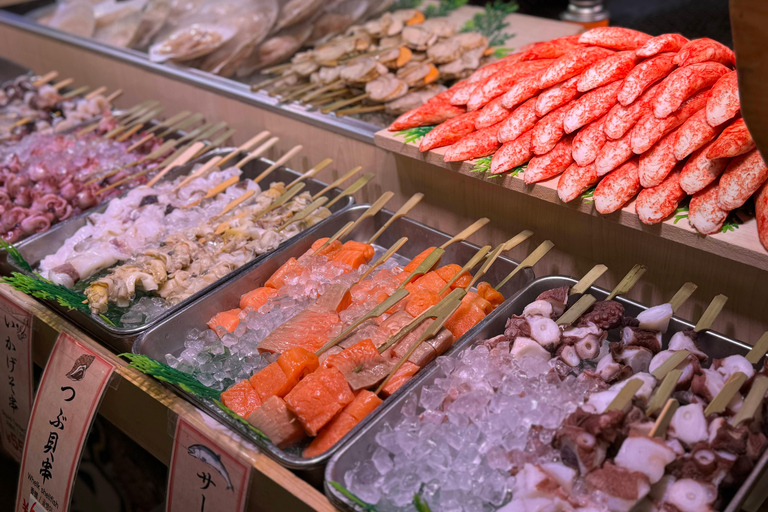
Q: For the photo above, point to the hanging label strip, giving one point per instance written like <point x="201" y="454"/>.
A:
<point x="72" y="386"/>
<point x="15" y="375"/>
<point x="203" y="476"/>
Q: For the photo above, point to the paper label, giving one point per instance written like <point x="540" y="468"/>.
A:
<point x="15" y="375"/>
<point x="203" y="476"/>
<point x="72" y="386"/>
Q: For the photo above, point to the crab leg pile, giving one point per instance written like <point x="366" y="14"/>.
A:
<point x="549" y="416"/>
<point x="655" y="119"/>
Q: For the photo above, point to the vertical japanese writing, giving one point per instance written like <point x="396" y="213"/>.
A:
<point x="15" y="376"/>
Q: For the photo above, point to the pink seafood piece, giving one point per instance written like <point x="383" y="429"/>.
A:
<point x="449" y="132"/>
<point x="501" y="81"/>
<point x="655" y="204"/>
<point x="621" y="118"/>
<point x="548" y="166"/>
<point x="613" y="154"/>
<point x="512" y="154"/>
<point x="588" y="142"/>
<point x="523" y="90"/>
<point x="618" y="188"/>
<point x="735" y="140"/>
<point x="650" y="128"/>
<point x="704" y="212"/>
<point x="475" y="145"/>
<point x="606" y="71"/>
<point x="576" y="180"/>
<point x="693" y="134"/>
<point x="589" y="107"/>
<point x="705" y="50"/>
<point x="428" y="114"/>
<point x="644" y="75"/>
<point x="723" y="103"/>
<point x="549" y="130"/>
<point x="494" y="112"/>
<point x="550" y="49"/>
<point x="571" y="64"/>
<point x="744" y="175"/>
<point x="761" y="212"/>
<point x="682" y="83"/>
<point x="556" y="96"/>
<point x="521" y="120"/>
<point x="700" y="170"/>
<point x="616" y="38"/>
<point x="662" y="43"/>
<point x="655" y="164"/>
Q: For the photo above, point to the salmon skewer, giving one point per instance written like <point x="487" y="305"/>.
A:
<point x="607" y="70"/>
<point x="616" y="38"/>
<point x="644" y="75"/>
<point x="700" y="170"/>
<point x="617" y="188"/>
<point x="723" y="103"/>
<point x="662" y="43"/>
<point x="704" y="212"/>
<point x="734" y="140"/>
<point x="705" y="50"/>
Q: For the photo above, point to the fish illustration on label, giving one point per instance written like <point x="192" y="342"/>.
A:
<point x="78" y="369"/>
<point x="205" y="454"/>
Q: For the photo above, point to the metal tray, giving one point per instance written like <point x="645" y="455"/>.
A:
<point x="363" y="444"/>
<point x="10" y="70"/>
<point x="121" y="338"/>
<point x="167" y="338"/>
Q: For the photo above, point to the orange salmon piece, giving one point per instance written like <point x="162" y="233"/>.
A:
<point x="367" y="249"/>
<point x="318" y="398"/>
<point x="401" y="376"/>
<point x="308" y="329"/>
<point x="289" y="269"/>
<point x="276" y="422"/>
<point x="419" y="301"/>
<point x="361" y="364"/>
<point x="418" y="260"/>
<point x="241" y="398"/>
<point x="465" y="318"/>
<point x="272" y="381"/>
<point x="329" y="250"/>
<point x="257" y="298"/>
<point x="490" y="294"/>
<point x="351" y="258"/>
<point x="226" y="319"/>
<point x="363" y="404"/>
<point x="297" y="363"/>
<point x="462" y="282"/>
<point x="431" y="281"/>
<point x="447" y="272"/>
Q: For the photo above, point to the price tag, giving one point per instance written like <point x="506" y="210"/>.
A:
<point x="72" y="386"/>
<point x="15" y="375"/>
<point x="203" y="476"/>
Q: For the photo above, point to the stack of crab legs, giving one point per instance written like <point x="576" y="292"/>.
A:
<point x="393" y="63"/>
<point x="656" y="118"/>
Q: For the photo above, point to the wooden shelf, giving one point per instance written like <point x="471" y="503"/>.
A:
<point x="741" y="244"/>
<point x="273" y="487"/>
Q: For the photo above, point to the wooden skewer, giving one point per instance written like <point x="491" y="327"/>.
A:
<point x="280" y="201"/>
<point x="670" y="364"/>
<point x="357" y="185"/>
<point x="370" y="212"/>
<point x="425" y="266"/>
<point x="245" y="147"/>
<point x="753" y="402"/>
<point x="168" y="123"/>
<point x="467" y="232"/>
<point x="91" y="127"/>
<point x="312" y="172"/>
<point x="758" y="350"/>
<point x="218" y="189"/>
<point x="384" y="257"/>
<point x="143" y="116"/>
<point x="280" y="68"/>
<point x="528" y="262"/>
<point x="709" y="316"/>
<point x="201" y="171"/>
<point x="235" y="203"/>
<point x="257" y="152"/>
<point x="468" y="266"/>
<point x="321" y="90"/>
<point x="60" y="85"/>
<point x="157" y="153"/>
<point x="279" y="162"/>
<point x="628" y="282"/>
<point x="517" y="239"/>
<point x="266" y="83"/>
<point x="574" y="312"/>
<point x="180" y="160"/>
<point x="625" y="396"/>
<point x="338" y="182"/>
<point x="682" y="295"/>
<point x="126" y="135"/>
<point x="402" y="212"/>
<point x="663" y="392"/>
<point x="96" y="92"/>
<point x="735" y="381"/>
<point x="343" y="103"/>
<point x="218" y="141"/>
<point x="662" y="422"/>
<point x="286" y="89"/>
<point x="588" y="280"/>
<point x="180" y="125"/>
<point x="21" y="122"/>
<point x="141" y="120"/>
<point x="298" y="92"/>
<point x="112" y="97"/>
<point x="75" y="92"/>
<point x="44" y="79"/>
<point x="327" y="99"/>
<point x="360" y="110"/>
<point x="191" y="140"/>
<point x="306" y="212"/>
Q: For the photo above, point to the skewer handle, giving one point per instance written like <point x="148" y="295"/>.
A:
<point x="306" y="212"/>
<point x="753" y="401"/>
<point x="467" y="232"/>
<point x="235" y="203"/>
<point x="709" y="316"/>
<point x="425" y="266"/>
<point x="338" y="182"/>
<point x="279" y="162"/>
<point x="588" y="280"/>
<point x="682" y="295"/>
<point x="759" y="350"/>
<point x="60" y="85"/>
<point x="257" y="152"/>
<point x="483" y="269"/>
<point x="182" y="124"/>
<point x="575" y="311"/>
<point x="664" y="391"/>
<point x="44" y="79"/>
<point x="201" y="171"/>
<point x="625" y="396"/>
<point x="357" y="185"/>
<point x="670" y="364"/>
<point x="371" y="211"/>
<point x="384" y="257"/>
<point x="517" y="239"/>
<point x="179" y="161"/>
<point x="313" y="171"/>
<point x="112" y="97"/>
<point x="402" y="212"/>
<point x="530" y="261"/>
<point x="628" y="282"/>
<point x="473" y="261"/>
<point x="724" y="397"/>
<point x="662" y="422"/>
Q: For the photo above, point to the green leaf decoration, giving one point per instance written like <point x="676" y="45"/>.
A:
<point x="502" y="52"/>
<point x="413" y="134"/>
<point x="420" y="503"/>
<point x="491" y="22"/>
<point x="588" y="195"/>
<point x="404" y="4"/>
<point x="41" y="288"/>
<point x="482" y="164"/>
<point x="681" y="212"/>
<point x="165" y="373"/>
<point x="444" y="8"/>
<point x="517" y="171"/>
<point x="232" y="414"/>
<point x="14" y="253"/>
<point x="732" y="222"/>
<point x="357" y="501"/>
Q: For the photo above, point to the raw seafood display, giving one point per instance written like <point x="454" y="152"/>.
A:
<point x="655" y="119"/>
<point x="573" y="415"/>
<point x="47" y="178"/>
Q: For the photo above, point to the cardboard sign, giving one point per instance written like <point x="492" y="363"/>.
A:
<point x="203" y="476"/>
<point x="72" y="386"/>
<point x="15" y="375"/>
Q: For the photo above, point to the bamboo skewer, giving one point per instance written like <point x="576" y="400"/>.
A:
<point x="266" y="83"/>
<point x="343" y="103"/>
<point x="234" y="204"/>
<point x="360" y="110"/>
<point x="60" y="85"/>
<point x="467" y="232"/>
<point x="279" y="162"/>
<point x="338" y="182"/>
<point x="96" y="92"/>
<point x="157" y="153"/>
<point x="218" y="141"/>
<point x="574" y="312"/>
<point x="468" y="266"/>
<point x="628" y="282"/>
<point x="75" y="92"/>
<point x="664" y="391"/>
<point x="670" y="364"/>
<point x="710" y="314"/>
<point x="200" y="172"/>
<point x="180" y="160"/>
<point x="384" y="257"/>
<point x="357" y="185"/>
<point x="682" y="295"/>
<point x="168" y="123"/>
<point x="588" y="280"/>
<point x="402" y="212"/>
<point x="625" y="396"/>
<point x="44" y="79"/>
<point x="298" y="92"/>
<point x="245" y="146"/>
<point x="370" y="212"/>
<point x="306" y="212"/>
<point x="753" y="401"/>
<point x="218" y="189"/>
<point x="257" y="152"/>
<point x="528" y="262"/>
<point x="517" y="239"/>
<point x="182" y="124"/>
<point x="737" y="380"/>
<point x="758" y="350"/>
<point x="280" y="201"/>
<point x="138" y="123"/>
<point x="321" y="90"/>
<point x="112" y="97"/>
<point x="312" y="172"/>
<point x="662" y="422"/>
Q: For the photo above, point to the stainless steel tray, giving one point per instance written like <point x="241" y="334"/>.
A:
<point x="363" y="444"/>
<point x="10" y="70"/>
<point x="168" y="338"/>
<point x="349" y="127"/>
<point x="121" y="338"/>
